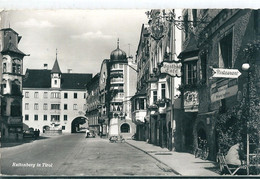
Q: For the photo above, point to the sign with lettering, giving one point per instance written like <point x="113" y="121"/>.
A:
<point x="191" y="101"/>
<point x="225" y="73"/>
<point x="224" y="92"/>
<point x="172" y="68"/>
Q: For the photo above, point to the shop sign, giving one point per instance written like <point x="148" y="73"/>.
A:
<point x="172" y="68"/>
<point x="191" y="101"/>
<point x="224" y="92"/>
<point x="225" y="73"/>
<point x="14" y="120"/>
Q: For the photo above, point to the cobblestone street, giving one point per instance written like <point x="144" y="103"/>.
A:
<point x="79" y="156"/>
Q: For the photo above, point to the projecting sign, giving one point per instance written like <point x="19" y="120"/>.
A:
<point x="225" y="73"/>
<point x="224" y="92"/>
<point x="172" y="68"/>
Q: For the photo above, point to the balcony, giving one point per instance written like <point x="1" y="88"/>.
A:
<point x="117" y="80"/>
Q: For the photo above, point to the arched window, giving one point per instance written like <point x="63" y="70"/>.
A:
<point x="16" y="108"/>
<point x="125" y="128"/>
<point x="16" y="88"/>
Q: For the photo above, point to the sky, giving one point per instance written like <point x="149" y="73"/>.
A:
<point x="83" y="38"/>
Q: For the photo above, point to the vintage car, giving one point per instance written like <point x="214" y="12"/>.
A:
<point x="29" y="133"/>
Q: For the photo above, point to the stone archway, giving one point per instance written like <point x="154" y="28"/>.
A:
<point x="125" y="128"/>
<point x="75" y="124"/>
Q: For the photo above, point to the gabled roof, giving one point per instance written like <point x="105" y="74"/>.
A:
<point x="191" y="48"/>
<point x="12" y="48"/>
<point x="42" y="79"/>
<point x="56" y="67"/>
<point x="75" y="80"/>
<point x="37" y="79"/>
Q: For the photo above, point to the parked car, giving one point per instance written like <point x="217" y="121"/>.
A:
<point x="90" y="134"/>
<point x="29" y="133"/>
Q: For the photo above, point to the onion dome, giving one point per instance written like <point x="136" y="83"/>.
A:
<point x="118" y="55"/>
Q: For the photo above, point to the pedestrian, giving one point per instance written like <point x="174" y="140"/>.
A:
<point x="235" y="156"/>
<point x="38" y="133"/>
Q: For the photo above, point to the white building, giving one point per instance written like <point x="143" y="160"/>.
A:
<point x="53" y="99"/>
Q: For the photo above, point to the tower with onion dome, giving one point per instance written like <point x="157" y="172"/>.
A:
<point x="122" y="86"/>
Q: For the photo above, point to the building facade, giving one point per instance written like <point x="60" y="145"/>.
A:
<point x="155" y="89"/>
<point x="11" y="85"/>
<point x="117" y="86"/>
<point x="54" y="101"/>
<point x="216" y="40"/>
<point x="93" y="105"/>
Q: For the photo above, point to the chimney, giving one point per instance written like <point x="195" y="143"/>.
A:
<point x="45" y="66"/>
<point x="69" y="70"/>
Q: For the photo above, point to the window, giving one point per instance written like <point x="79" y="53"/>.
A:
<point x="185" y="19"/>
<point x="84" y="95"/>
<point x="45" y="117"/>
<point x="55" y="117"/>
<point x="55" y="82"/>
<point x="65" y="106"/>
<point x="26" y="117"/>
<point x="194" y="15"/>
<point x="154" y="96"/>
<point x="65" y="117"/>
<point x="19" y="69"/>
<point x="63" y="128"/>
<point x="55" y="95"/>
<point x="14" y="68"/>
<point x="4" y="68"/>
<point x="27" y="94"/>
<point x="16" y="88"/>
<point x="75" y="107"/>
<point x="26" y="106"/>
<point x="36" y="106"/>
<point x="203" y="74"/>
<point x="65" y="95"/>
<point x="36" y="117"/>
<point x="142" y="103"/>
<point x="16" y="108"/>
<point x="163" y="91"/>
<point x="225" y="48"/>
<point x="45" y="95"/>
<point x="36" y="95"/>
<point x="190" y="73"/>
<point x="45" y="106"/>
<point x="75" y="95"/>
<point x="55" y="106"/>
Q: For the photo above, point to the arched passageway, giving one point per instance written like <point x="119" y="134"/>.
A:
<point x="75" y="124"/>
<point x="125" y="128"/>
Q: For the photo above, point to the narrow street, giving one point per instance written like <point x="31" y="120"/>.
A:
<point x="78" y="156"/>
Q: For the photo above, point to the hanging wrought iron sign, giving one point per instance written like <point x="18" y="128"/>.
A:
<point x="158" y="29"/>
<point x="172" y="68"/>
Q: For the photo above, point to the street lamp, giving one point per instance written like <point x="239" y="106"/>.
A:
<point x="246" y="68"/>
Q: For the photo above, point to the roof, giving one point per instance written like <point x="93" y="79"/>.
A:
<point x="12" y="48"/>
<point x="9" y="29"/>
<point x="191" y="48"/>
<point x="56" y="67"/>
<point x="94" y="80"/>
<point x="42" y="79"/>
<point x="37" y="79"/>
<point x="141" y="93"/>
